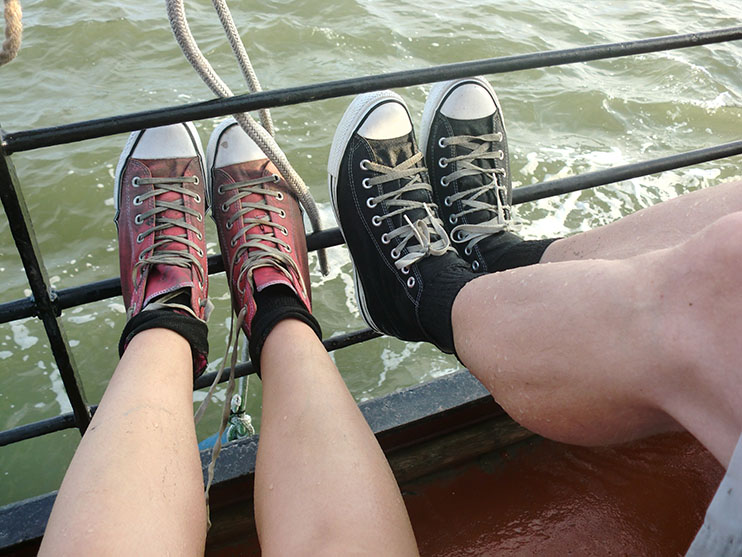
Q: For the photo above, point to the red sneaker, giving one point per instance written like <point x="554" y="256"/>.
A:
<point x="260" y="225"/>
<point x="160" y="204"/>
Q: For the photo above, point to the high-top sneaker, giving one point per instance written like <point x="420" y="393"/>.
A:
<point x="261" y="231"/>
<point x="160" y="202"/>
<point x="384" y="206"/>
<point x="465" y="145"/>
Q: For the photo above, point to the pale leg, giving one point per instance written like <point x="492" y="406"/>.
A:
<point x="600" y="351"/>
<point x="323" y="485"/>
<point x="134" y="486"/>
<point x="660" y="226"/>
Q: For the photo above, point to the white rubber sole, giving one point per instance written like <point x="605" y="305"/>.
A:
<point x="131" y="144"/>
<point x="438" y="94"/>
<point x="354" y="116"/>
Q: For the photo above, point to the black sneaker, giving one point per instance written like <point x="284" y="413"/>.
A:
<point x="466" y="150"/>
<point x="384" y="206"/>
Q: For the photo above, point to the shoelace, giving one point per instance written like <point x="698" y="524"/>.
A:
<point x="158" y="253"/>
<point x="471" y="199"/>
<point x="423" y="230"/>
<point x="261" y="254"/>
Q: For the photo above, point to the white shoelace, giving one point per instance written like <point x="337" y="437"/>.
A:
<point x="425" y="230"/>
<point x="472" y="199"/>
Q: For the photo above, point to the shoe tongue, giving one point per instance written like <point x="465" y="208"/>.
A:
<point x="391" y="152"/>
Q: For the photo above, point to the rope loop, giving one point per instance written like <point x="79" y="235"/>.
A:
<point x="13" y="31"/>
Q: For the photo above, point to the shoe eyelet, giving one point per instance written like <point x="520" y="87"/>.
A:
<point x="220" y="190"/>
<point x="135" y="181"/>
<point x="453" y="219"/>
<point x="196" y="180"/>
<point x="475" y="266"/>
<point x="228" y="226"/>
<point x="467" y="250"/>
<point x="138" y="219"/>
<point x="365" y="183"/>
<point x="282" y="214"/>
<point x="370" y="203"/>
<point x="459" y="236"/>
<point x="140" y="239"/>
<point x="279" y="195"/>
<point x="288" y="249"/>
<point x="410" y="282"/>
<point x="141" y="257"/>
<point x="395" y="254"/>
<point x="501" y="155"/>
<point x="447" y="201"/>
<point x="442" y="143"/>
<point x="137" y="200"/>
<point x="285" y="231"/>
<point x="197" y="199"/>
<point x="444" y="181"/>
<point x="199" y="236"/>
<point x="233" y="242"/>
<point x="405" y="270"/>
<point x="276" y="178"/>
<point x="364" y="162"/>
<point x="225" y="207"/>
<point x="200" y="252"/>
<point x="376" y="220"/>
<point x="443" y="162"/>
<point x="385" y="238"/>
<point x="200" y="218"/>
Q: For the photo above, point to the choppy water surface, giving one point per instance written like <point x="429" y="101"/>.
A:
<point x="85" y="60"/>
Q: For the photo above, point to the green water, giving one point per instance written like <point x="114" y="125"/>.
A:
<point x="85" y="60"/>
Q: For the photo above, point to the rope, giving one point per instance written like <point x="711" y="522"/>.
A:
<point x="13" y="31"/>
<point x="259" y="134"/>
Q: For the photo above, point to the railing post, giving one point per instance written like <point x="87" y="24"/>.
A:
<point x="25" y="240"/>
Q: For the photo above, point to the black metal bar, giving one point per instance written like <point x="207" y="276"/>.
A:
<point x="333" y="343"/>
<point x="109" y="288"/>
<point x="587" y="180"/>
<point x="57" y="135"/>
<point x="25" y="240"/>
<point x="67" y="421"/>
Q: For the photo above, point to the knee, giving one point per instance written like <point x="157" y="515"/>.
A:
<point x="717" y="249"/>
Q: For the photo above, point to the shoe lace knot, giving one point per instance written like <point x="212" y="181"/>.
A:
<point x="423" y="235"/>
<point x="261" y="246"/>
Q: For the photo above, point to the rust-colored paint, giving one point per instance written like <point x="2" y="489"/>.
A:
<point x="543" y="498"/>
<point x="646" y="498"/>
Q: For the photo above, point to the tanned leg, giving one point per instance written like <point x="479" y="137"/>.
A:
<point x="134" y="486"/>
<point x="322" y="485"/>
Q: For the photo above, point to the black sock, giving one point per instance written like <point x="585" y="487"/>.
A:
<point x="438" y="297"/>
<point x="193" y="330"/>
<point x="276" y="303"/>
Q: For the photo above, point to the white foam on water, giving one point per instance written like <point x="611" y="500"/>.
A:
<point x="22" y="336"/>
<point x="57" y="387"/>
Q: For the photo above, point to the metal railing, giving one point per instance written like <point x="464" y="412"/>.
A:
<point x="46" y="303"/>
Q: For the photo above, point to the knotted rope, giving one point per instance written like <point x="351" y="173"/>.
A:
<point x="261" y="135"/>
<point x="13" y="31"/>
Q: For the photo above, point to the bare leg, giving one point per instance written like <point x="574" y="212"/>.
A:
<point x="135" y="486"/>
<point x="322" y="483"/>
<point x="660" y="226"/>
<point x="598" y="351"/>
